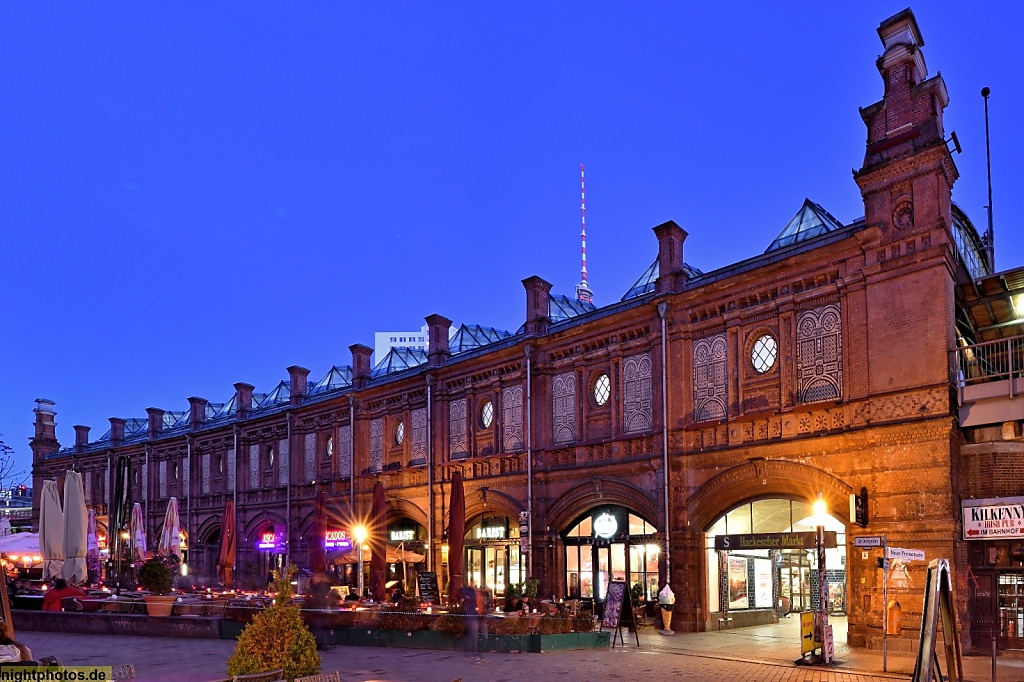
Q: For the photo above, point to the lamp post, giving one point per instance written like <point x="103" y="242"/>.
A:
<point x="359" y="533"/>
<point x="820" y="513"/>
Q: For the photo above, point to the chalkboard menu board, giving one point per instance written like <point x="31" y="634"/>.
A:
<point x="428" y="587"/>
<point x="613" y="605"/>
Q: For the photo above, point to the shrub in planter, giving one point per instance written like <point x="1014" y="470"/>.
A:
<point x="555" y="625"/>
<point x="453" y="625"/>
<point x="511" y="626"/>
<point x="394" y="621"/>
<point x="277" y="638"/>
<point x="584" y="622"/>
<point x="155" y="577"/>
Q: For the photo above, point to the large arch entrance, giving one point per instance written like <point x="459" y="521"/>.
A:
<point x="755" y="579"/>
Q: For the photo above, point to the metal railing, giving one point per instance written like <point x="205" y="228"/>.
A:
<point x="1001" y="360"/>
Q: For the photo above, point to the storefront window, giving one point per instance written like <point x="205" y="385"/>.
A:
<point x="610" y="543"/>
<point x="762" y="579"/>
<point x="493" y="560"/>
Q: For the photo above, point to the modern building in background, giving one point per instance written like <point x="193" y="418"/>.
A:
<point x="384" y="342"/>
<point x="874" y="357"/>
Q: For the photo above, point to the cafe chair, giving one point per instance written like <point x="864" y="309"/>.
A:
<point x="124" y="671"/>
<point x="71" y="604"/>
<point x="322" y="677"/>
<point x="269" y="676"/>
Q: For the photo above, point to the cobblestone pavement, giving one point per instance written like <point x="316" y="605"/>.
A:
<point x="199" y="660"/>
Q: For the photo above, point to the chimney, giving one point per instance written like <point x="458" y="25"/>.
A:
<point x="156" y="421"/>
<point x="81" y="436"/>
<point x="538" y="309"/>
<point x="46" y="427"/>
<point x="670" y="257"/>
<point x="197" y="411"/>
<point x="298" y="381"/>
<point x="243" y="399"/>
<point x="437" y="349"/>
<point x="117" y="430"/>
<point x="360" y="365"/>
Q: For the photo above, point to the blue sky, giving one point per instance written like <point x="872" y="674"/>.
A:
<point x="193" y="196"/>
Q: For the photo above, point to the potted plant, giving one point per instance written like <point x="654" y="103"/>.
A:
<point x="636" y="596"/>
<point x="155" y="577"/>
<point x="530" y="590"/>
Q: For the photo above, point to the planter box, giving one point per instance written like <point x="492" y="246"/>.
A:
<point x="438" y="641"/>
<point x="231" y="629"/>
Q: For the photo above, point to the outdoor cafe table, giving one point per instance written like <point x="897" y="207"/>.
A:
<point x="29" y="602"/>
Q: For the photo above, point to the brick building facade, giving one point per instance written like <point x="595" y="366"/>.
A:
<point x="821" y="366"/>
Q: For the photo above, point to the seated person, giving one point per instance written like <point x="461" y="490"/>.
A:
<point x="61" y="589"/>
<point x="10" y="650"/>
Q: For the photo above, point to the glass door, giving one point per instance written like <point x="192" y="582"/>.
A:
<point x="1011" y="610"/>
<point x="474" y="566"/>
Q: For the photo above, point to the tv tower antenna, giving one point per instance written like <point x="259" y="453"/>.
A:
<point x="583" y="292"/>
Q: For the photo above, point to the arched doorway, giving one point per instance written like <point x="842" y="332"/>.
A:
<point x="493" y="558"/>
<point x="608" y="543"/>
<point x="757" y="580"/>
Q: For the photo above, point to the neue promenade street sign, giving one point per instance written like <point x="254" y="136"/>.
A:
<point x="904" y="554"/>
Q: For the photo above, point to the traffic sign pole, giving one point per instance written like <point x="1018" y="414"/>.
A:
<point x="885" y="609"/>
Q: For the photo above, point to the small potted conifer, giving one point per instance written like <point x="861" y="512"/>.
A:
<point x="155" y="577"/>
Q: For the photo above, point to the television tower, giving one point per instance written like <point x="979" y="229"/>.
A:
<point x="583" y="292"/>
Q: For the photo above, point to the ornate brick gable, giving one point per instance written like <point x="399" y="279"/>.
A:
<point x="710" y="391"/>
<point x="512" y="418"/>
<point x="457" y="447"/>
<point x="419" y="434"/>
<point x="563" y="408"/>
<point x="637" y="407"/>
<point x="377" y="444"/>
<point x="819" y="354"/>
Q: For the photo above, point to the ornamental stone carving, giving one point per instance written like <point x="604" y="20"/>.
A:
<point x="563" y="408"/>
<point x="419" y="434"/>
<point x="309" y="458"/>
<point x="710" y="390"/>
<point x="377" y="445"/>
<point x="457" y="443"/>
<point x="512" y="418"/>
<point x="284" y="455"/>
<point x="345" y="451"/>
<point x="254" y="467"/>
<point x="637" y="407"/>
<point x="819" y="354"/>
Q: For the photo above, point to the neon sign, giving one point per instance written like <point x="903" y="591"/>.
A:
<point x="605" y="525"/>
<point x="490" y="533"/>
<point x="267" y="540"/>
<point x="405" y="535"/>
<point x="337" y="539"/>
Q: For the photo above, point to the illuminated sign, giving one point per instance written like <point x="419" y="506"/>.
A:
<point x="272" y="540"/>
<point x="266" y="540"/>
<point x="605" y="526"/>
<point x="490" y="533"/>
<point x="337" y="539"/>
<point x="404" y="535"/>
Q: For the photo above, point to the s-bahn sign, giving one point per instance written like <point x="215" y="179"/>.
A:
<point x="995" y="518"/>
<point x="806" y="540"/>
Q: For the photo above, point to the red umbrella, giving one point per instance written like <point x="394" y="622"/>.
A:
<point x="456" y="537"/>
<point x="317" y="548"/>
<point x="226" y="556"/>
<point x="378" y="544"/>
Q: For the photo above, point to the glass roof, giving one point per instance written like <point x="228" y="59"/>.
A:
<point x="645" y="284"/>
<point x="281" y="394"/>
<point x="173" y="419"/>
<point x="471" y="336"/>
<point x="220" y="410"/>
<point x="398" y="359"/>
<point x="810" y="221"/>
<point x="337" y="379"/>
<point x="562" y="307"/>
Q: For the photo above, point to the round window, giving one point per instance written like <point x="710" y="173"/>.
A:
<point x="399" y="433"/>
<point x="762" y="355"/>
<point x="487" y="414"/>
<point x="602" y="389"/>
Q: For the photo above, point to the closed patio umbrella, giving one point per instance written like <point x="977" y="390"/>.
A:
<point x="378" y="544"/>
<point x="226" y="555"/>
<point x="51" y="531"/>
<point x="92" y="538"/>
<point x="76" y="529"/>
<point x="170" y="536"/>
<point x="137" y="531"/>
<point x="317" y="548"/>
<point x="456" y="537"/>
<point x="5" y="527"/>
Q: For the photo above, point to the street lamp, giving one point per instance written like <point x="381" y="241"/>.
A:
<point x="820" y="515"/>
<point x="359" y="534"/>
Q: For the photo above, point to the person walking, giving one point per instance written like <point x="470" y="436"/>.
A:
<point x="468" y="599"/>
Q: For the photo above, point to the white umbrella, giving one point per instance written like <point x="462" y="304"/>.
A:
<point x="76" y="529"/>
<point x="170" y="536"/>
<point x="20" y="545"/>
<point x="5" y="527"/>
<point x="51" y="531"/>
<point x="137" y="528"/>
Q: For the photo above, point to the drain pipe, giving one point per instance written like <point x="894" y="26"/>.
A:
<point x="188" y="501"/>
<point x="288" y="493"/>
<point x="352" y="461"/>
<point x="529" y="461"/>
<point x="430" y="479"/>
<point x="662" y="310"/>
